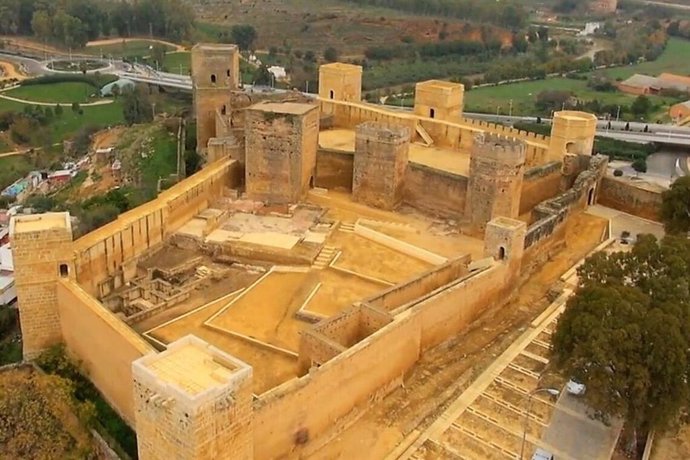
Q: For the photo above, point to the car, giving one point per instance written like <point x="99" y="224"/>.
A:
<point x="575" y="388"/>
<point x="541" y="454"/>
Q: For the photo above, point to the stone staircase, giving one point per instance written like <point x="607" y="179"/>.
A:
<point x="347" y="227"/>
<point x="325" y="257"/>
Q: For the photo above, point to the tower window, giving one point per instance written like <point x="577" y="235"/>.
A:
<point x="432" y="113"/>
<point x="331" y="94"/>
<point x="223" y="110"/>
<point x="501" y="253"/>
<point x="213" y="78"/>
<point x="64" y="270"/>
<point x="228" y="72"/>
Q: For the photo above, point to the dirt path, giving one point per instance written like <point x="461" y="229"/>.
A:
<point x="114" y="41"/>
<point x="444" y="372"/>
<point x="9" y="72"/>
<point x="54" y="104"/>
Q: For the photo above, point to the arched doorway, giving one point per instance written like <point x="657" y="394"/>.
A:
<point x="501" y="253"/>
<point x="432" y="113"/>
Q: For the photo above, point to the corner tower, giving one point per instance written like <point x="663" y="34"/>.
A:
<point x="381" y="156"/>
<point x="215" y="73"/>
<point x="193" y="402"/>
<point x="41" y="246"/>
<point x="439" y="99"/>
<point x="497" y="167"/>
<point x="572" y="132"/>
<point x="340" y="82"/>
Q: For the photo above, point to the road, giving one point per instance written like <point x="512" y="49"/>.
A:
<point x="679" y="6"/>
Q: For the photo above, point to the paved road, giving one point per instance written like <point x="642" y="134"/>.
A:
<point x="669" y="5"/>
<point x="577" y="435"/>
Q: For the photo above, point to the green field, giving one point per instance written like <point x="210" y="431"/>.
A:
<point x="13" y="168"/>
<point x="129" y="49"/>
<point x="178" y="62"/>
<point x="102" y="115"/>
<point x="63" y="93"/>
<point x="674" y="59"/>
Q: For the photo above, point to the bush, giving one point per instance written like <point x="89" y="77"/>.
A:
<point x="640" y="165"/>
<point x="617" y="173"/>
<point x="95" y="80"/>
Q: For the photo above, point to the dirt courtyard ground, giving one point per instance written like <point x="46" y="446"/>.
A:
<point x="445" y="371"/>
<point x="444" y="159"/>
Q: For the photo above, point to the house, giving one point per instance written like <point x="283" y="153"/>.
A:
<point x="63" y="176"/>
<point x="8" y="292"/>
<point x="644" y="84"/>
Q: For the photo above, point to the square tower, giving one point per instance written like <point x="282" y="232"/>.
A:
<point x="381" y="156"/>
<point x="215" y="73"/>
<point x="504" y="240"/>
<point x="41" y="247"/>
<point x="193" y="402"/>
<point x="497" y="167"/>
<point x="340" y="82"/>
<point x="281" y="142"/>
<point x="442" y="100"/>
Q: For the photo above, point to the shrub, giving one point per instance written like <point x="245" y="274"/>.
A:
<point x="617" y="173"/>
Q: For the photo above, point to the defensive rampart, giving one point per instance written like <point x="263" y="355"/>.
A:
<point x="642" y="200"/>
<point x="103" y="345"/>
<point x="105" y="259"/>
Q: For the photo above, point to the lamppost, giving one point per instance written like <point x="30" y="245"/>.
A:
<point x="552" y="392"/>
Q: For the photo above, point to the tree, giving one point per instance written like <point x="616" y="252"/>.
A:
<point x="243" y="35"/>
<point x="639" y="165"/>
<point x="262" y="76"/>
<point x="331" y="54"/>
<point x="675" y="207"/>
<point x="58" y="110"/>
<point x="641" y="105"/>
<point x="75" y="107"/>
<point x="626" y="333"/>
<point x="136" y="105"/>
<point x="158" y="54"/>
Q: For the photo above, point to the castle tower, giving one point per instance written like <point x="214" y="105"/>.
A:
<point x="497" y="166"/>
<point x="41" y="251"/>
<point x="439" y="99"/>
<point x="193" y="402"/>
<point x="572" y="132"/>
<point x="504" y="240"/>
<point x="281" y="143"/>
<point x="381" y="155"/>
<point x="215" y="73"/>
<point x="340" y="82"/>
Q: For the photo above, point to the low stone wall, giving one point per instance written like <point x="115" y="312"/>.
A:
<point x="629" y="197"/>
<point x="399" y="245"/>
<point x="424" y="187"/>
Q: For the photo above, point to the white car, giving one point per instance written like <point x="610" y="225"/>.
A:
<point x="575" y="388"/>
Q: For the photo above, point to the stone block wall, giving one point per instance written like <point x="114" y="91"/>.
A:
<point x="334" y="169"/>
<point x="497" y="166"/>
<point x="381" y="157"/>
<point x="40" y="250"/>
<point x="424" y="186"/>
<point x="281" y="143"/>
<point x="636" y="199"/>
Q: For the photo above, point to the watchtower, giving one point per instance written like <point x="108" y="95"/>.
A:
<point x="194" y="402"/>
<point x="215" y="73"/>
<point x="497" y="166"/>
<point x="41" y="252"/>
<point x="504" y="240"/>
<point x="281" y="143"/>
<point x="572" y="132"/>
<point x="340" y="82"/>
<point x="381" y="156"/>
<point x="439" y="99"/>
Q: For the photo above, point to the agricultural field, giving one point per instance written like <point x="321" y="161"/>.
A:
<point x="675" y="59"/>
<point x="63" y="93"/>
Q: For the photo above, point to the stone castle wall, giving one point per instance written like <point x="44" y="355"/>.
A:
<point x="629" y="197"/>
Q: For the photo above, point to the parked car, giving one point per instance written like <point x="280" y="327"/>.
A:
<point x="575" y="388"/>
<point x="542" y="454"/>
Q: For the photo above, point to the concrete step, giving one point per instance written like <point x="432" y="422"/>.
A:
<point x="348" y="227"/>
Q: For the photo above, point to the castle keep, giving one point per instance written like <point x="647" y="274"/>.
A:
<point x="259" y="307"/>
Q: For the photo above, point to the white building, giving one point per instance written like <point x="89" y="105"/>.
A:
<point x="8" y="292"/>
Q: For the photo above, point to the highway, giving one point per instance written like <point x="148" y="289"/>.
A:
<point x="657" y="133"/>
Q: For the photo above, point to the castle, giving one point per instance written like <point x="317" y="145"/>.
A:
<point x="258" y="307"/>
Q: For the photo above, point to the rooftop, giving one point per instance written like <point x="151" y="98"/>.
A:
<point x="340" y="66"/>
<point x="40" y="222"/>
<point x="440" y="84"/>
<point x="192" y="365"/>
<point x="293" y="108"/>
